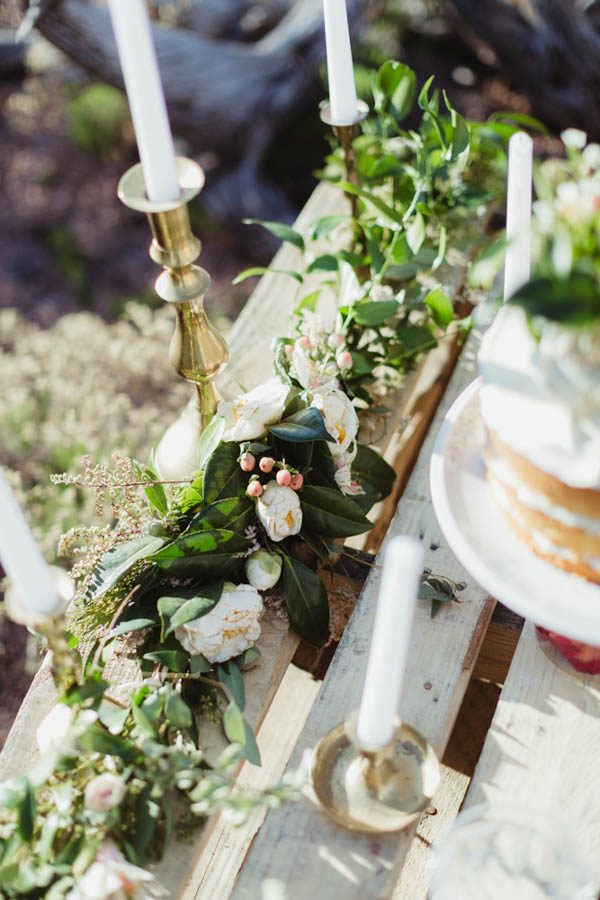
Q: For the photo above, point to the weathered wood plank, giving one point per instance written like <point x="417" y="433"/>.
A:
<point x="542" y="749"/>
<point x="299" y="851"/>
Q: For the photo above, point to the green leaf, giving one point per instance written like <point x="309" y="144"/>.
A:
<point x="395" y="87"/>
<point x="441" y="307"/>
<point x="209" y="441"/>
<point x="97" y="740"/>
<point x="131" y="625"/>
<point x="112" y="717"/>
<point x="306" y="601"/>
<point x="325" y="225"/>
<point x="326" y="263"/>
<point x="178" y="713"/>
<point x="199" y="664"/>
<point x="92" y="689"/>
<point x="222" y="475"/>
<point x="372" y="313"/>
<point x="226" y="513"/>
<point x="384" y="214"/>
<point x="327" y="511"/>
<point x="174" y="660"/>
<point x="143" y="722"/>
<point x="146" y="814"/>
<point x="229" y="675"/>
<point x="571" y="301"/>
<point x="415" y="233"/>
<point x="120" y="560"/>
<point x="309" y="302"/>
<point x="305" y="425"/>
<point x="26" y="813"/>
<point x="178" y="610"/>
<point x="239" y="732"/>
<point x="281" y="231"/>
<point x="262" y="270"/>
<point x="247" y="658"/>
<point x="371" y="468"/>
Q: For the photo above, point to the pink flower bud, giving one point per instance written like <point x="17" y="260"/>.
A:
<point x="254" y="489"/>
<point x="336" y="340"/>
<point x="304" y="342"/>
<point x="344" y="359"/>
<point x="289" y="350"/>
<point x="297" y="482"/>
<point x="247" y="462"/>
<point x="284" y="478"/>
<point x="266" y="464"/>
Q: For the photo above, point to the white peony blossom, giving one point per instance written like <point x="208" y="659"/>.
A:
<point x="110" y="877"/>
<point x="263" y="569"/>
<point x="341" y="420"/>
<point x="53" y="728"/>
<point x="104" y="792"/>
<point x="279" y="510"/>
<point x="247" y="417"/>
<point x="228" y="629"/>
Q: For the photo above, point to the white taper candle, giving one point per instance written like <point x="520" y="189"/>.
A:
<point x="22" y="561"/>
<point x="390" y="643"/>
<point x="340" y="70"/>
<point x="146" y="99"/>
<point x="517" y="268"/>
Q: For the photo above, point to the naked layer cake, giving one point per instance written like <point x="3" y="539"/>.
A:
<point x="540" y="403"/>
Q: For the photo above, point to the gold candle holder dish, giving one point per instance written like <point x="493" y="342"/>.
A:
<point x="379" y="791"/>
<point x="198" y="352"/>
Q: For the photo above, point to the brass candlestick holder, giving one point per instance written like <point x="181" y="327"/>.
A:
<point x="198" y="352"/>
<point x="374" y="792"/>
<point x="345" y="135"/>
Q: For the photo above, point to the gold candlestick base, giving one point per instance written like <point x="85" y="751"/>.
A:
<point x="374" y="792"/>
<point x="198" y="352"/>
<point x="345" y="135"/>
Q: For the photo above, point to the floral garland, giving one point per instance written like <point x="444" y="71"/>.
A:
<point x="281" y="479"/>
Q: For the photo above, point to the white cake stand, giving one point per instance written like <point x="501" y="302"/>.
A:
<point x="485" y="544"/>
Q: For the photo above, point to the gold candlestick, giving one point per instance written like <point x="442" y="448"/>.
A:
<point x="345" y="135"/>
<point x="198" y="352"/>
<point x="374" y="792"/>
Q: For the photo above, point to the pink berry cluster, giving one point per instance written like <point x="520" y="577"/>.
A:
<point x="285" y="477"/>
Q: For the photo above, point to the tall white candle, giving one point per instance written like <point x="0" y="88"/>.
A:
<point x="342" y="90"/>
<point x="146" y="99"/>
<point x="22" y="561"/>
<point x="517" y="269"/>
<point x="390" y="642"/>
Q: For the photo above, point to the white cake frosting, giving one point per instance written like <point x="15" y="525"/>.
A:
<point x="543" y="397"/>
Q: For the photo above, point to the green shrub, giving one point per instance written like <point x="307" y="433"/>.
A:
<point x="96" y="119"/>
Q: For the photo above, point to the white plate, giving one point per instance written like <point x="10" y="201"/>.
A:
<point x="485" y="544"/>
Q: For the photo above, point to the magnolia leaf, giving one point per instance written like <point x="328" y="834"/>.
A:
<point x="222" y="475"/>
<point x="118" y="561"/>
<point x="441" y="307"/>
<point x="178" y="610"/>
<point x="281" y="231"/>
<point x="371" y="468"/>
<point x="229" y="674"/>
<point x="327" y="511"/>
<point x="239" y="732"/>
<point x="306" y="601"/>
<point x="305" y="425"/>
<point x="223" y="514"/>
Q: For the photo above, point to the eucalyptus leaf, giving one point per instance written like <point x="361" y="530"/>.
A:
<point x="178" y="713"/>
<point x="239" y="732"/>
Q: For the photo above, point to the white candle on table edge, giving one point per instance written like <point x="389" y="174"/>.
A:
<point x="22" y="561"/>
<point x="340" y="70"/>
<point x="146" y="98"/>
<point x="517" y="269"/>
<point x="394" y="616"/>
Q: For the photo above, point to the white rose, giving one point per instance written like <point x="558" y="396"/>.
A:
<point x="110" y="877"/>
<point x="263" y="570"/>
<point x="53" y="728"/>
<point x="228" y="629"/>
<point x="341" y="420"/>
<point x="247" y="417"/>
<point x="279" y="510"/>
<point x="104" y="792"/>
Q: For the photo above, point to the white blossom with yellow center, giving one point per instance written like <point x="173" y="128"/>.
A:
<point x="279" y="510"/>
<point x="247" y="417"/>
<point x="228" y="629"/>
<point x="339" y="415"/>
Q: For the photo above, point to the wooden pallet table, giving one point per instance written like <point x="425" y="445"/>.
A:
<point x="543" y="723"/>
